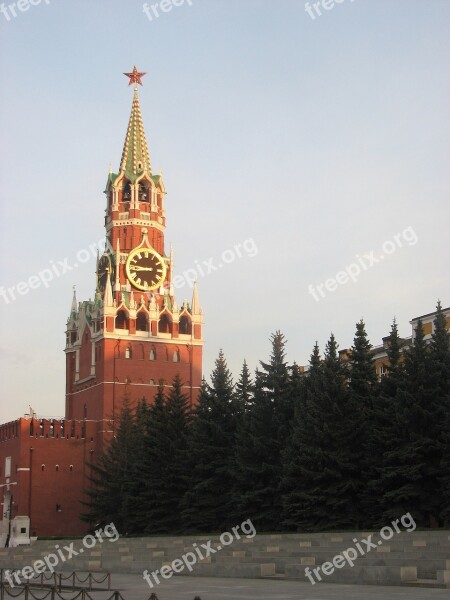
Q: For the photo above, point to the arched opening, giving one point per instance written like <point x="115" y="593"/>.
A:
<point x="142" y="323"/>
<point x="152" y="354"/>
<point x="185" y="325"/>
<point x="176" y="356"/>
<point x="126" y="191"/>
<point x="128" y="352"/>
<point x="165" y="324"/>
<point x="144" y="193"/>
<point x="122" y="320"/>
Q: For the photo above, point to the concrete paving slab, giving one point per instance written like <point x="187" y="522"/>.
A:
<point x="186" y="588"/>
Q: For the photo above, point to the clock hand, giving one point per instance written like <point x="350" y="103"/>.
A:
<point x="137" y="268"/>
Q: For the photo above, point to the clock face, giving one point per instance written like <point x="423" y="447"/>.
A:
<point x="145" y="269"/>
<point x="103" y="272"/>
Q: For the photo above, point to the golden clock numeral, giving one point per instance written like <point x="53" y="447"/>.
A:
<point x="139" y="280"/>
<point x="133" y="275"/>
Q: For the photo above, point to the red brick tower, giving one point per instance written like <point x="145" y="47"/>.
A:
<point x="133" y="333"/>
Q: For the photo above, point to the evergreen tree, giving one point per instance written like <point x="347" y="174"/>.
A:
<point x="135" y="508"/>
<point x="154" y="469"/>
<point x="261" y="437"/>
<point x="385" y="423"/>
<point x="440" y="376"/>
<point x="302" y="454"/>
<point x="363" y="389"/>
<point x="257" y="471"/>
<point x="207" y="504"/>
<point x="166" y="460"/>
<point x="111" y="488"/>
<point x="321" y="479"/>
<point x="244" y="389"/>
<point x="412" y="469"/>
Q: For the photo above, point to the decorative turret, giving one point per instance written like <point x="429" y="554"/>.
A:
<point x="196" y="309"/>
<point x="74" y="307"/>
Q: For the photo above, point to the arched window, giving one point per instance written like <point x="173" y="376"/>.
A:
<point x="127" y="192"/>
<point x="42" y="467"/>
<point x="176" y="356"/>
<point x="165" y="325"/>
<point x="142" y="321"/>
<point x="152" y="382"/>
<point x="71" y="468"/>
<point x="185" y="325"/>
<point x="56" y="467"/>
<point x="144" y="191"/>
<point x="152" y="354"/>
<point x="122" y="320"/>
<point x="128" y="352"/>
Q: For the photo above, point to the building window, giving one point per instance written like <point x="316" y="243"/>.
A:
<point x="152" y="382"/>
<point x="71" y="468"/>
<point x="152" y="354"/>
<point x="122" y="320"/>
<point x="142" y="322"/>
<point x="127" y="352"/>
<point x="185" y="326"/>
<point x="384" y="370"/>
<point x="165" y="325"/>
<point x="42" y="467"/>
<point x="57" y="467"/>
<point x="176" y="356"/>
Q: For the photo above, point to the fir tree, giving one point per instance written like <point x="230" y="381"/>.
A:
<point x="257" y="474"/>
<point x="111" y="489"/>
<point x="412" y="469"/>
<point x="260" y="439"/>
<point x="385" y="424"/>
<point x="207" y="503"/>
<point x="302" y="454"/>
<point x="244" y="389"/>
<point x="440" y="377"/>
<point x="363" y="389"/>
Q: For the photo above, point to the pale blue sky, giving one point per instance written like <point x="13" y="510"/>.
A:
<point x="319" y="139"/>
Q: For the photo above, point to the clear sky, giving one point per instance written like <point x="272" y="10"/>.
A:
<point x="323" y="142"/>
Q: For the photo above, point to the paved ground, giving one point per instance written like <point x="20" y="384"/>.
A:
<point x="186" y="588"/>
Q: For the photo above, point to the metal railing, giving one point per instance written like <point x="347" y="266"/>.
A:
<point x="52" y="593"/>
<point x="57" y="579"/>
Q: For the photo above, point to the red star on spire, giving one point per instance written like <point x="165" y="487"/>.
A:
<point x="135" y="76"/>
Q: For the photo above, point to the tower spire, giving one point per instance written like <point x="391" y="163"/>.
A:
<point x="195" y="306"/>
<point x="135" y="156"/>
<point x="74" y="307"/>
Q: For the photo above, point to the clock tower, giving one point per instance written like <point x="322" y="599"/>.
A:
<point x="134" y="333"/>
